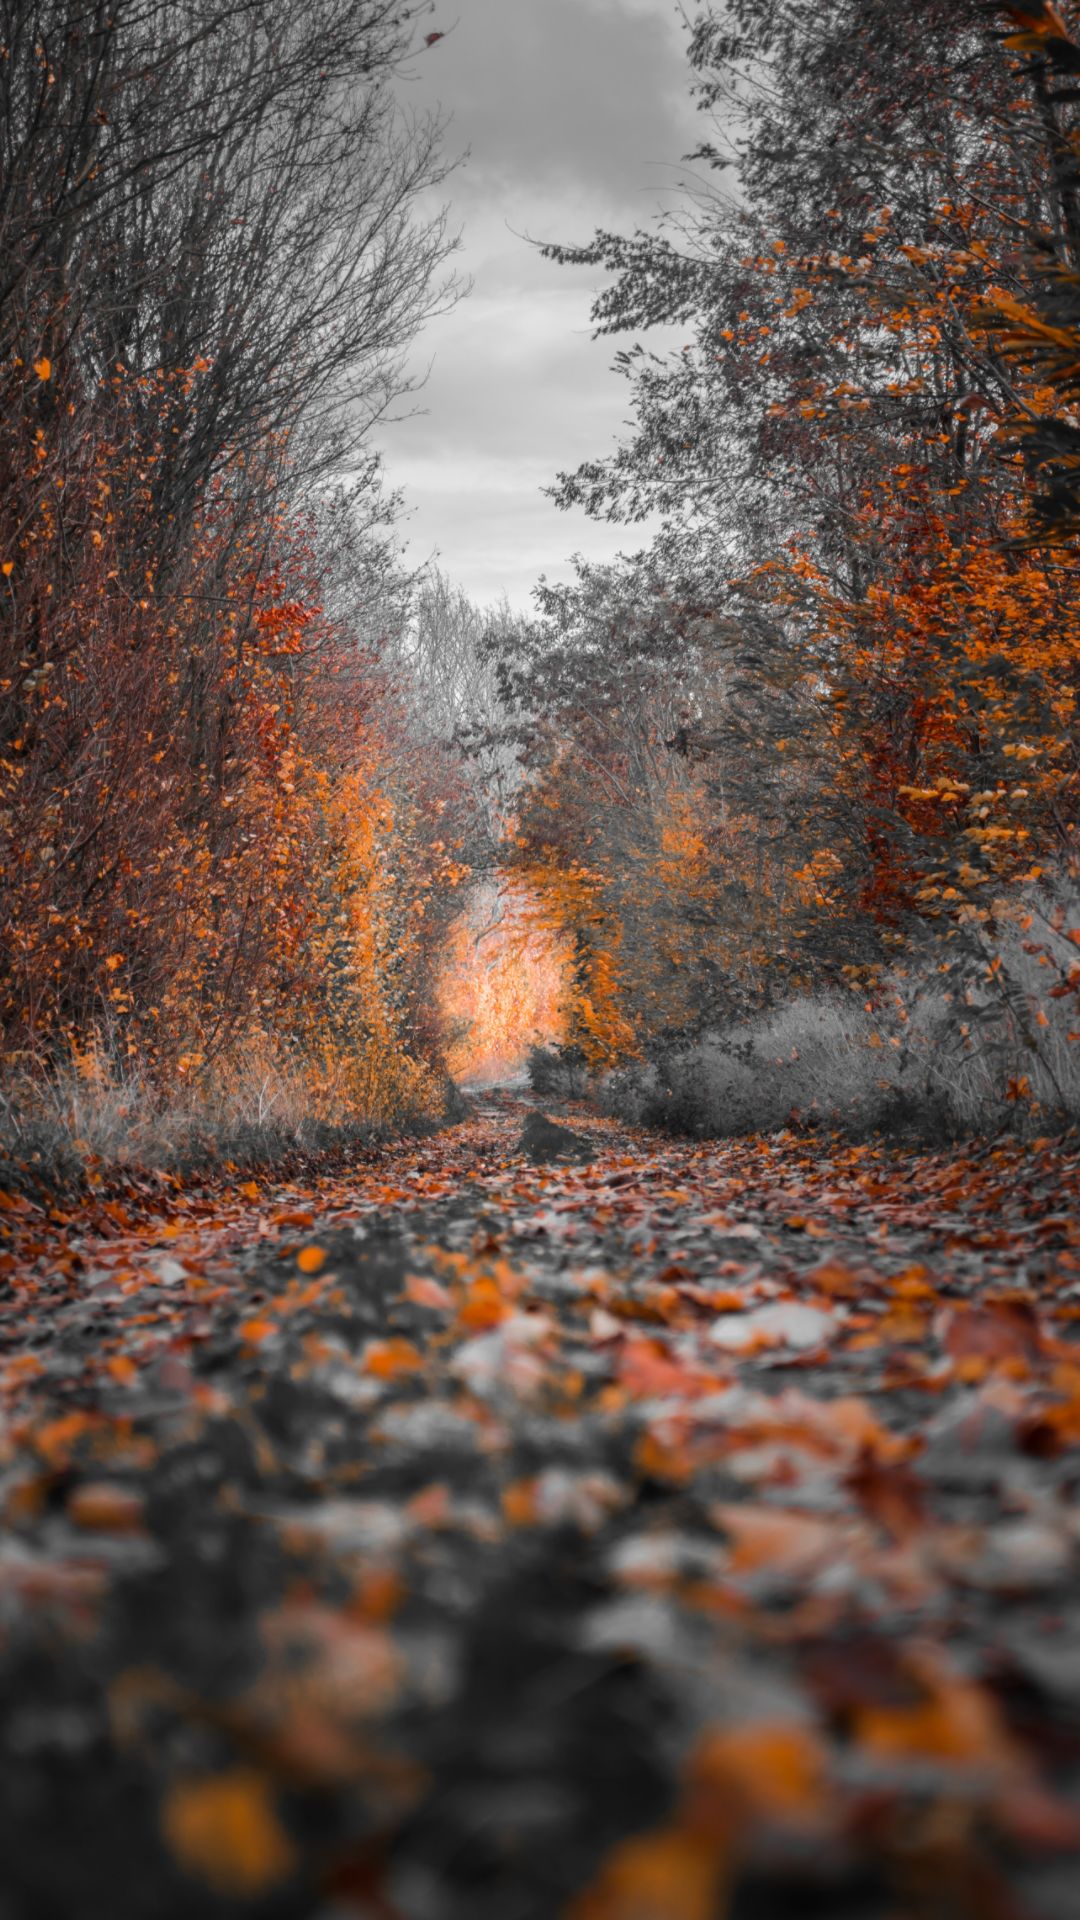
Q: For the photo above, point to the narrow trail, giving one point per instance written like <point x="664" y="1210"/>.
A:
<point x="676" y="1531"/>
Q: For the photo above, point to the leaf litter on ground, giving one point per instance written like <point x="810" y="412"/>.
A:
<point x="681" y="1532"/>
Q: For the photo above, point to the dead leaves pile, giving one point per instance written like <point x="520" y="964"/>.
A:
<point x="684" y="1535"/>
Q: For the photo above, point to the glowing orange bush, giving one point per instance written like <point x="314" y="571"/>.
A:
<point x="504" y="985"/>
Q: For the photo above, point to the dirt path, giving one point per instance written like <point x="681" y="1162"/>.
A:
<point x="678" y="1533"/>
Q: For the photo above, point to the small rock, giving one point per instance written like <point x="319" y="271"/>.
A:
<point x="786" y="1323"/>
<point x="168" y="1272"/>
<point x="544" y="1139"/>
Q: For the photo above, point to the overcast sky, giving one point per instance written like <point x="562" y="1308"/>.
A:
<point x="576" y="114"/>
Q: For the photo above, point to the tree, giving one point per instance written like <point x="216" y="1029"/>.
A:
<point x="214" y="257"/>
<point x="839" y="501"/>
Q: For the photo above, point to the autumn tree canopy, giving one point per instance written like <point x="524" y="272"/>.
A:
<point x="842" y="682"/>
<point x="214" y="259"/>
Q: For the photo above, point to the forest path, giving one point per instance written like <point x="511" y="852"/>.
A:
<point x="681" y="1531"/>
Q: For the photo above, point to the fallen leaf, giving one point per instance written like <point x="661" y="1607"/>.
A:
<point x="672" y="1874"/>
<point x="386" y="1359"/>
<point x="101" y="1506"/>
<point x="224" y="1830"/>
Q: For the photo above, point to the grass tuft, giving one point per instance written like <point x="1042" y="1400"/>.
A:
<point x="92" y="1116"/>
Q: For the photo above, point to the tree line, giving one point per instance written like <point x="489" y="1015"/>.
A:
<point x="822" y="732"/>
<point x="219" y="825"/>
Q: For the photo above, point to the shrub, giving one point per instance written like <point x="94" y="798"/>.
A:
<point x="982" y="1035"/>
<point x="560" y="1072"/>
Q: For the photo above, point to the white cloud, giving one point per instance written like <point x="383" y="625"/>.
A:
<point x="576" y="113"/>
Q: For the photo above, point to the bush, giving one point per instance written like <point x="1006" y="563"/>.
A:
<point x="559" y="1072"/>
<point x="975" y="1038"/>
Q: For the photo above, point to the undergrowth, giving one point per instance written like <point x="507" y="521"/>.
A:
<point x="559" y="1072"/>
<point x="92" y="1115"/>
<point x="980" y="1035"/>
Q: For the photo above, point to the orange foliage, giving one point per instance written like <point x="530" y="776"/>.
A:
<point x="627" y="890"/>
<point x="503" y="985"/>
<point x="204" y="845"/>
<point x="952" y="712"/>
<point x="667" y="1875"/>
<point x="915" y="751"/>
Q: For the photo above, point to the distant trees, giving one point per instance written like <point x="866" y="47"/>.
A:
<point x="644" y="821"/>
<point x="445" y="664"/>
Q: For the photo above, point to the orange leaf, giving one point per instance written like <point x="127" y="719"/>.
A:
<point x="431" y="1506"/>
<point x="484" y="1307"/>
<point x="380" y="1592"/>
<point x="224" y="1830"/>
<point x="253" y="1331"/>
<point x="997" y="1334"/>
<point x="1040" y="19"/>
<point x="786" y="1542"/>
<point x="426" y="1293"/>
<point x="519" y="1503"/>
<point x="43" y="367"/>
<point x="851" y="1421"/>
<point x="55" y="1440"/>
<point x="890" y="1493"/>
<point x="774" y="1771"/>
<point x="656" y="1459"/>
<point x="833" y="1278"/>
<point x="310" y="1259"/>
<point x="647" y="1370"/>
<point x="387" y="1358"/>
<point x="955" y="1721"/>
<point x="667" y="1875"/>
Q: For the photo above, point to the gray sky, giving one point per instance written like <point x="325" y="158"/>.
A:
<point x="576" y="114"/>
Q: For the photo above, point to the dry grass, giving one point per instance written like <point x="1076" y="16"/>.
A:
<point x="92" y="1111"/>
<point x="975" y="1039"/>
